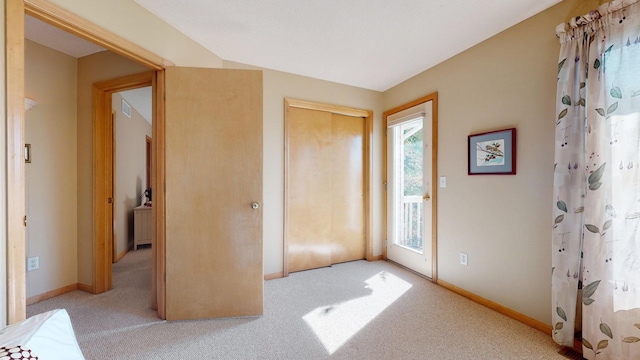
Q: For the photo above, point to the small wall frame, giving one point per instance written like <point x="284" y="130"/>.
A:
<point x="492" y="153"/>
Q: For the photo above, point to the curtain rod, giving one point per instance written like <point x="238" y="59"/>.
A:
<point x="593" y="15"/>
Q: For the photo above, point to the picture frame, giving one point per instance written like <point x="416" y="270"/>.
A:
<point x="492" y="153"/>
<point x="27" y="153"/>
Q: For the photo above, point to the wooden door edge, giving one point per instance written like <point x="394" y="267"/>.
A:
<point x="158" y="184"/>
<point x="285" y="239"/>
<point x="433" y="97"/>
<point x="114" y="239"/>
<point x="15" y="186"/>
<point x="368" y="185"/>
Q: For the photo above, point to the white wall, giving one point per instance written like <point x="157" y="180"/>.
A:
<point x="502" y="222"/>
<point x="277" y="86"/>
<point x="130" y="171"/>
<point x="51" y="189"/>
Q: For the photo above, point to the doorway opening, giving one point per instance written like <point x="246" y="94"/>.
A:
<point x="408" y="187"/>
<point x="14" y="17"/>
<point x="131" y="170"/>
<point x="104" y="171"/>
<point x="410" y="171"/>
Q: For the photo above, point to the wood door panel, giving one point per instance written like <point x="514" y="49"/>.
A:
<point x="309" y="240"/>
<point x="214" y="248"/>
<point x="347" y="188"/>
<point x="325" y="195"/>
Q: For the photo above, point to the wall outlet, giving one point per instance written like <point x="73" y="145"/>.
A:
<point x="33" y="263"/>
<point x="464" y="258"/>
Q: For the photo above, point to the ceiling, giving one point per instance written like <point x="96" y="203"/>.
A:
<point x="372" y="44"/>
<point x="42" y="33"/>
<point x="54" y="38"/>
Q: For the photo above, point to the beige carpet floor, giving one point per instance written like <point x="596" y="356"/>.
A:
<point x="356" y="310"/>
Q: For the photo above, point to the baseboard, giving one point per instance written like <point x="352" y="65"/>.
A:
<point x="51" y="294"/>
<point x="86" y="288"/>
<point x="274" y="276"/>
<point x="538" y="325"/>
<point x="375" y="258"/>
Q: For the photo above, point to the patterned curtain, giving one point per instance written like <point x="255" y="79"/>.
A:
<point x="596" y="205"/>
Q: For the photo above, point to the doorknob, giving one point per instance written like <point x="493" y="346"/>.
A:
<point x="427" y="197"/>
<point x="255" y="206"/>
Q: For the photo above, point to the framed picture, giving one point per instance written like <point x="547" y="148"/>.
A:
<point x="493" y="153"/>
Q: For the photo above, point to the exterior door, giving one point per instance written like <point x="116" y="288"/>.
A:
<point x="410" y="188"/>
<point x="325" y="192"/>
<point x="213" y="193"/>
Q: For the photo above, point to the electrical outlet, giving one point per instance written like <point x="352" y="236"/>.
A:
<point x="33" y="263"/>
<point x="464" y="258"/>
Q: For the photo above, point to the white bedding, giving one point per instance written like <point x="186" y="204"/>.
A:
<point x="44" y="336"/>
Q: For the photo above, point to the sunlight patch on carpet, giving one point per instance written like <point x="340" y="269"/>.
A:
<point x="118" y="330"/>
<point x="335" y="324"/>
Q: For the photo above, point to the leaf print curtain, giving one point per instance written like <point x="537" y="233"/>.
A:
<point x="596" y="205"/>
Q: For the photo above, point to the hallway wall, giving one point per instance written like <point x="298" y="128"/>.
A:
<point x="50" y="128"/>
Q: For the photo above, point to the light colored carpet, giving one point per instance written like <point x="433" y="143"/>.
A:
<point x="356" y="310"/>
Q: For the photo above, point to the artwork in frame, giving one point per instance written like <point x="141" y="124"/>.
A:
<point x="493" y="153"/>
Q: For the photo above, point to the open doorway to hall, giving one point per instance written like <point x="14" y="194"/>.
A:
<point x="132" y="119"/>
<point x="59" y="76"/>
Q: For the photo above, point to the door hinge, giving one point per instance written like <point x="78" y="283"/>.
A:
<point x="25" y="220"/>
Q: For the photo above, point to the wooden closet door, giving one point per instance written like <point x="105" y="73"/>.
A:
<point x="309" y="210"/>
<point x="347" y="188"/>
<point x="325" y="208"/>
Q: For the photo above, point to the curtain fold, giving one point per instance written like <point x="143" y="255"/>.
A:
<point x="596" y="205"/>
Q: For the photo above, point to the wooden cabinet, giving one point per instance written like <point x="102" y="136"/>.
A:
<point x="141" y="226"/>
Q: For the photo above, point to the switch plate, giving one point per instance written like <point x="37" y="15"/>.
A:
<point x="464" y="258"/>
<point x="33" y="263"/>
<point x="443" y="181"/>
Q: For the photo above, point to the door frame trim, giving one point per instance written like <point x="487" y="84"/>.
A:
<point x="433" y="97"/>
<point x="15" y="176"/>
<point x="14" y="48"/>
<point x="367" y="115"/>
<point x="74" y="24"/>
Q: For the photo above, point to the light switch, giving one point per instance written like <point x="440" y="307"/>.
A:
<point x="443" y="181"/>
